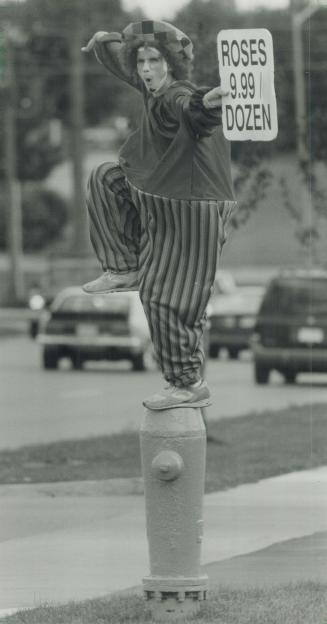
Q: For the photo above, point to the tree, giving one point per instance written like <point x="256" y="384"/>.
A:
<point x="42" y="69"/>
<point x="50" y="26"/>
<point x="49" y="75"/>
<point x="44" y="218"/>
<point x="35" y="153"/>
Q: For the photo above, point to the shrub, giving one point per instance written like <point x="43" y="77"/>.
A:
<point x="44" y="215"/>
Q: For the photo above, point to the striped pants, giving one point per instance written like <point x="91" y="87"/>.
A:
<point x="174" y="245"/>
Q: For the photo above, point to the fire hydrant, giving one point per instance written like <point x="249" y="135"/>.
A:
<point x="173" y="450"/>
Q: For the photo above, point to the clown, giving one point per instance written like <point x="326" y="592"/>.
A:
<point x="158" y="216"/>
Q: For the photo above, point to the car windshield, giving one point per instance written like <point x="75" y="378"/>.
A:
<point x="90" y="303"/>
<point x="245" y="300"/>
<point x="298" y="295"/>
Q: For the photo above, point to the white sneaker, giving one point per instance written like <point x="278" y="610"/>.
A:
<point x="172" y="397"/>
<point x="110" y="282"/>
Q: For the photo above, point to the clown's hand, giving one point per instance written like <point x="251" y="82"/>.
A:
<point x="101" y="37"/>
<point x="213" y="98"/>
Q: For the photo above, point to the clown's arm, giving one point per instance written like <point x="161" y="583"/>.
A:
<point x="107" y="49"/>
<point x="201" y="108"/>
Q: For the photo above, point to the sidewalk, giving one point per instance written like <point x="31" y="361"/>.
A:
<point x="61" y="542"/>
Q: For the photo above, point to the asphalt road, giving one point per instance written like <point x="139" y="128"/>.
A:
<point x="39" y="406"/>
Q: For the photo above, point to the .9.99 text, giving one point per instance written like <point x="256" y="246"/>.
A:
<point x="244" y="88"/>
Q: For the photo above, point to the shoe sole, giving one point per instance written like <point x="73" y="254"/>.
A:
<point x="108" y="292"/>
<point x="202" y="403"/>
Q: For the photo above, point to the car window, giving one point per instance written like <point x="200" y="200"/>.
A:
<point x="96" y="303"/>
<point x="244" y="300"/>
<point x="224" y="283"/>
<point x="299" y="296"/>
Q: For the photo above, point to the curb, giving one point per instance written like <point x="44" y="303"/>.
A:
<point x="107" y="487"/>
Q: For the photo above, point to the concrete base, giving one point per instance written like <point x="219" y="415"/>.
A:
<point x="174" y="599"/>
<point x="174" y="606"/>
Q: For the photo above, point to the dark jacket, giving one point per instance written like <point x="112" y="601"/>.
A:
<point x="179" y="150"/>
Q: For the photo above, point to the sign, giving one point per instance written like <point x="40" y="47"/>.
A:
<point x="246" y="67"/>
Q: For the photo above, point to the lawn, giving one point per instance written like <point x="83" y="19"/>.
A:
<point x="240" y="450"/>
<point x="301" y="603"/>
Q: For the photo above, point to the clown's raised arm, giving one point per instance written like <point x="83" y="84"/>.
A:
<point x="122" y="54"/>
<point x="108" y="48"/>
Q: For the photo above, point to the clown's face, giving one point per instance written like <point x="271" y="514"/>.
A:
<point x="152" y="68"/>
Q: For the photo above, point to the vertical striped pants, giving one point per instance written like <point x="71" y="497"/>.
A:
<point x="174" y="245"/>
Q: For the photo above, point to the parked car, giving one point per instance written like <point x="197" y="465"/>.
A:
<point x="232" y="317"/>
<point x="95" y="327"/>
<point x="291" y="329"/>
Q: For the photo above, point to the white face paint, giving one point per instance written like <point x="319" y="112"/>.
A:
<point x="152" y="68"/>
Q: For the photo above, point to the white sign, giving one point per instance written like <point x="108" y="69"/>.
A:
<point x="246" y="67"/>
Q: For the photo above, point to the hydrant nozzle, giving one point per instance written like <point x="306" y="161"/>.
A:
<point x="167" y="465"/>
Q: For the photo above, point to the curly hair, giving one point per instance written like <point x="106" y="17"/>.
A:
<point x="181" y="66"/>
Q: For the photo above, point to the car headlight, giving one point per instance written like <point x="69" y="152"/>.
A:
<point x="36" y="302"/>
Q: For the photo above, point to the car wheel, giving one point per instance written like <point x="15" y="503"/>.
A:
<point x="233" y="354"/>
<point x="214" y="351"/>
<point x="289" y="376"/>
<point x="50" y="359"/>
<point x="138" y="362"/>
<point x="33" y="329"/>
<point x="261" y="374"/>
<point x="77" y="361"/>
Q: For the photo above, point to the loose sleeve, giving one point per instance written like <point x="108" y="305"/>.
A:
<point x="109" y="54"/>
<point x="200" y="119"/>
<point x="187" y="102"/>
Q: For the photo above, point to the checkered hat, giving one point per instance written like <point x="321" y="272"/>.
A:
<point x="149" y="31"/>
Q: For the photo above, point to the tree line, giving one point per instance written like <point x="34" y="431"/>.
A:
<point x="42" y="34"/>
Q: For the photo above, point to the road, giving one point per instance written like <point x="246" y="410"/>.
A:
<point x="39" y="406"/>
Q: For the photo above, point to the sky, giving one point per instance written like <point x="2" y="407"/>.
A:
<point x="157" y="9"/>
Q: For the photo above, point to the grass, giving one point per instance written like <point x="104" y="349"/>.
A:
<point x="245" y="450"/>
<point x="300" y="603"/>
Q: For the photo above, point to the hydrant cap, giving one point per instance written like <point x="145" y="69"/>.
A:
<point x="167" y="465"/>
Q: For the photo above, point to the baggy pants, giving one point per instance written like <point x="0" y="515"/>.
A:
<point x="174" y="245"/>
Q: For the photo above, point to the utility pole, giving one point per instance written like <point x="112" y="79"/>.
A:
<point x="80" y="244"/>
<point x="298" y="19"/>
<point x="13" y="190"/>
<point x="299" y="16"/>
